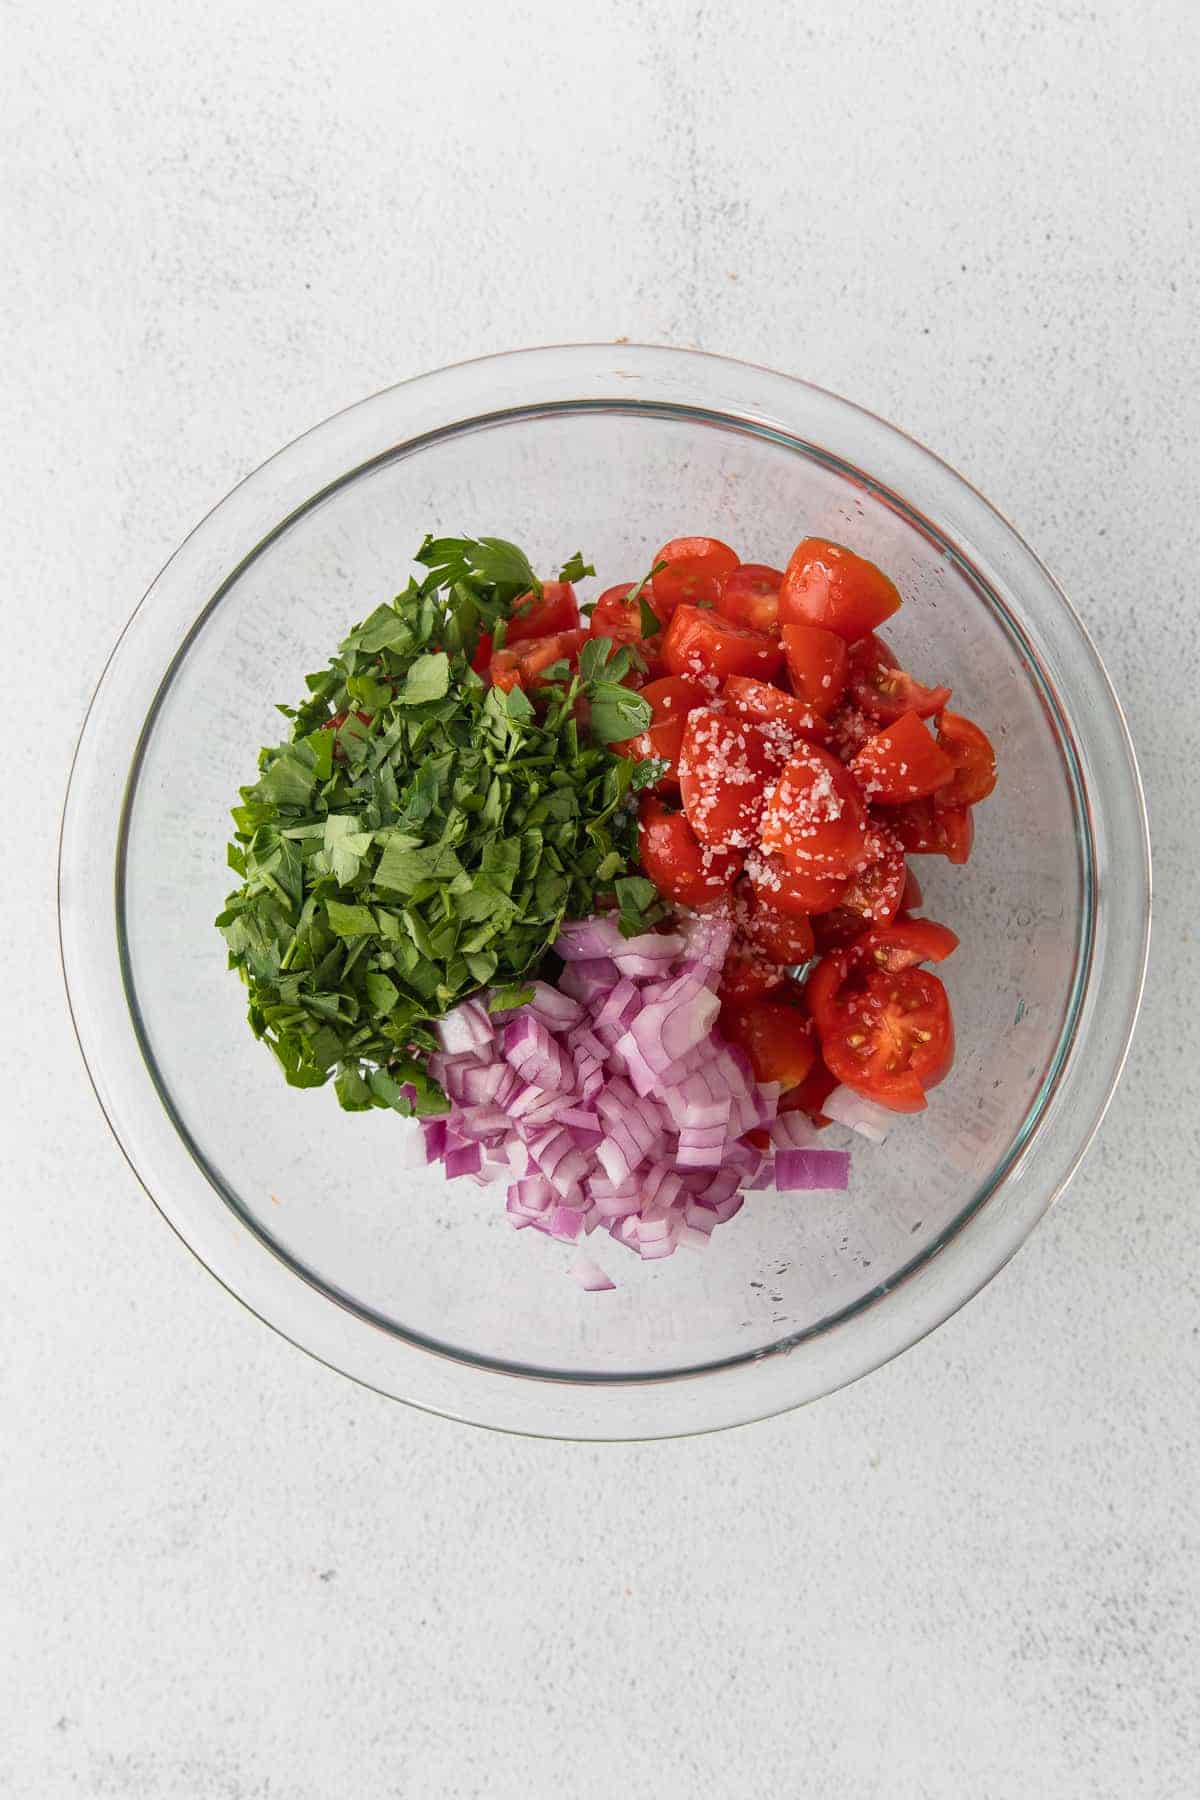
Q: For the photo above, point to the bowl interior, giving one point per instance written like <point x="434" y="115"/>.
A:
<point x="336" y="1195"/>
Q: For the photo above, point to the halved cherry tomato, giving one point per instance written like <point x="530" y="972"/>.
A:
<point x="695" y="569"/>
<point x="970" y="750"/>
<point x="826" y="584"/>
<point x="615" y="616"/>
<point x="724" y="766"/>
<point x="901" y="763"/>
<point x="808" y="1096"/>
<point x="522" y="666"/>
<point x="748" y="975"/>
<point x="783" y="937"/>
<point x="871" y="898"/>
<point x="483" y="653"/>
<point x="762" y="700"/>
<point x="910" y="899"/>
<point x="671" y="700"/>
<point x="776" y="1037"/>
<point x="816" y="661"/>
<point x="793" y="888"/>
<point x="888" y="1036"/>
<point x="680" y="866"/>
<point x="816" y="816"/>
<point x="883" y="690"/>
<point x="928" y="830"/>
<point x="702" y="644"/>
<point x="903" y="943"/>
<point x="533" y="617"/>
<point x="749" y="595"/>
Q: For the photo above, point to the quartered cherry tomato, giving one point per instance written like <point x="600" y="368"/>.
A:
<point x="671" y="700"/>
<point x="809" y="1094"/>
<point x="696" y="567"/>
<point x="785" y="938"/>
<point x="888" y="1036"/>
<point x="615" y="616"/>
<point x="816" y="816"/>
<point x="725" y="764"/>
<point x="523" y="664"/>
<point x="748" y="975"/>
<point x="701" y="644"/>
<point x="926" y="829"/>
<point x="871" y="898"/>
<point x="970" y="751"/>
<point x="749" y="595"/>
<point x="680" y="866"/>
<point x="825" y="584"/>
<point x="816" y="661"/>
<point x="901" y="762"/>
<point x="536" y="616"/>
<point x="762" y="700"/>
<point x="883" y="690"/>
<point x="777" y="1038"/>
<point x="793" y="887"/>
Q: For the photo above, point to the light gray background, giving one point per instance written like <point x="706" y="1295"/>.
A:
<point x="228" y="1574"/>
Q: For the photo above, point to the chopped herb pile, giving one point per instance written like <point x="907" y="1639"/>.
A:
<point x="423" y="835"/>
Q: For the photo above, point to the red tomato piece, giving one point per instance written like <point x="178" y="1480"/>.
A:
<point x="815" y="816"/>
<point x="523" y="664"/>
<point x="680" y="866"/>
<point x="749" y="595"/>
<point x="970" y="751"/>
<point x="724" y="766"/>
<point x="903" y="943"/>
<point x="793" y="888"/>
<point x="777" y="1038"/>
<point x="615" y="616"/>
<point x="826" y="584"/>
<point x="888" y="1036"/>
<point x="849" y="730"/>
<point x="701" y="644"/>
<point x="871" y="898"/>
<point x="696" y="567"/>
<point x="763" y="701"/>
<point x="928" y="830"/>
<point x="901" y="762"/>
<point x="671" y="700"/>
<point x="748" y="975"/>
<point x="883" y="690"/>
<point x="535" y="617"/>
<point x="339" y="719"/>
<point x="483" y="653"/>
<point x="816" y="661"/>
<point x="808" y="1096"/>
<point x="785" y="938"/>
<point x="910" y="899"/>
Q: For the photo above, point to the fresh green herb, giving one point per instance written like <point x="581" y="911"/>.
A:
<point x="422" y="836"/>
<point x="650" y="620"/>
<point x="574" y="569"/>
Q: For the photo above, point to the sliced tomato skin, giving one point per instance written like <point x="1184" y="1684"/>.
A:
<point x="828" y="585"/>
<point x="700" y="644"/>
<point x="763" y="701"/>
<point x="900" y="763"/>
<point x="747" y="975"/>
<point x="816" y="660"/>
<point x="904" y="943"/>
<point x="556" y="609"/>
<point x="724" y="766"/>
<point x="523" y="664"/>
<point x="871" y="898"/>
<point x="808" y="1095"/>
<point x="681" y="868"/>
<point x="793" y="889"/>
<point x="889" y="1035"/>
<point x="777" y="1038"/>
<point x="695" y="569"/>
<point x="749" y="595"/>
<point x="615" y="616"/>
<point x="970" y="751"/>
<point x="783" y="937"/>
<point x="882" y="689"/>
<point x="816" y="816"/>
<point x="483" y="653"/>
<point x="671" y="700"/>
<point x="925" y="829"/>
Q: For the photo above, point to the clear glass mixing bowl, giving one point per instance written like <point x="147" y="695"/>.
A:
<point x="418" y="1287"/>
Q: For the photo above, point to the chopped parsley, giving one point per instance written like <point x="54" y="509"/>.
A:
<point x="423" y="835"/>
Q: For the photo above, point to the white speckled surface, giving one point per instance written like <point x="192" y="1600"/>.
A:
<point x="226" y="1573"/>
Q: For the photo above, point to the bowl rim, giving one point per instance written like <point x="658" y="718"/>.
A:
<point x="653" y="364"/>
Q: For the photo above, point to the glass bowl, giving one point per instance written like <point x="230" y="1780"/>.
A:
<point x="314" y="1218"/>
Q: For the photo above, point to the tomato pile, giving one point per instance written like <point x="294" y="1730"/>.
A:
<point x="802" y="766"/>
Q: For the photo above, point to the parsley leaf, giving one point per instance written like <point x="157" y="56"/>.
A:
<point x="574" y="569"/>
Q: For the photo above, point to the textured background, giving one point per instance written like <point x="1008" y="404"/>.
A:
<point x="226" y="1573"/>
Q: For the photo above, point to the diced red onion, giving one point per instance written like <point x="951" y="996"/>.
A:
<point x="588" y="979"/>
<point x="434" y="1133"/>
<point x="806" y="1171"/>
<point x="647" y="956"/>
<point x="556" y="1010"/>
<point x="468" y="1027"/>
<point x="590" y="1276"/>
<point x="794" y="1131"/>
<point x="859" y="1114"/>
<point x="462" y="1159"/>
<point x="597" y="936"/>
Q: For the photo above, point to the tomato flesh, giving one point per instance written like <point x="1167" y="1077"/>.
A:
<point x="816" y="815"/>
<point x="901" y="762"/>
<point x="523" y="664"/>
<point x="889" y="1036"/>
<point x="696" y="567"/>
<point x="825" y="584"/>
<point x="682" y="868"/>
<point x="783" y="937"/>
<point x="724" y="766"/>
<point x="701" y="644"/>
<point x="777" y="1038"/>
<point x="809" y="1095"/>
<point x="617" y="617"/>
<point x="872" y="897"/>
<point x="763" y="701"/>
<point x="748" y="975"/>
<point x="749" y="595"/>
<point x="926" y="829"/>
<point x="792" y="887"/>
<point x="671" y="700"/>
<point x="883" y="690"/>
<point x="536" y="616"/>
<point x="816" y="661"/>
<point x="970" y="752"/>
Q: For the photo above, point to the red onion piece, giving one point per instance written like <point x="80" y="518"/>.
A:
<point x="590" y="1276"/>
<point x="859" y="1114"/>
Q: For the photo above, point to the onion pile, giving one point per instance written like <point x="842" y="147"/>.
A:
<point x="612" y="1101"/>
